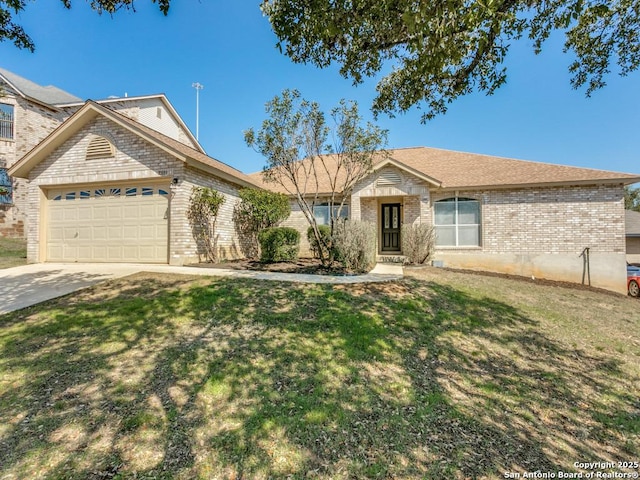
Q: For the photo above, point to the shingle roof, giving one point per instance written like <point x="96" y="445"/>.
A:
<point x="49" y="95"/>
<point x="459" y="170"/>
<point x="632" y="223"/>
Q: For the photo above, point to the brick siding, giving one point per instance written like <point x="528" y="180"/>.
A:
<point x="135" y="158"/>
<point x="550" y="220"/>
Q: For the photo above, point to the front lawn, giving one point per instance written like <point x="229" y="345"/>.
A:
<point x="13" y="252"/>
<point x="441" y="375"/>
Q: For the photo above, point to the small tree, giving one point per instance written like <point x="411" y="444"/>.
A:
<point x="258" y="210"/>
<point x="295" y="142"/>
<point x="632" y="198"/>
<point x="202" y="213"/>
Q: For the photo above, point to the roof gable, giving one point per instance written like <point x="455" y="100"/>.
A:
<point x="161" y="97"/>
<point x="91" y="110"/>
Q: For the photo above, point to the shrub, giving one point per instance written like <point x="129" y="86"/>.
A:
<point x="257" y="210"/>
<point x="202" y="212"/>
<point x="418" y="243"/>
<point x="325" y="235"/>
<point x="279" y="244"/>
<point x="355" y="245"/>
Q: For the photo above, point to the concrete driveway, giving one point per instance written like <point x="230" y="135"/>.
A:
<point x="28" y="285"/>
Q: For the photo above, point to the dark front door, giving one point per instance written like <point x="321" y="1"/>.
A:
<point x="390" y="227"/>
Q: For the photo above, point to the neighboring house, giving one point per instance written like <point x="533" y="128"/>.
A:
<point x="105" y="188"/>
<point x="495" y="214"/>
<point x="632" y="224"/>
<point x="29" y="112"/>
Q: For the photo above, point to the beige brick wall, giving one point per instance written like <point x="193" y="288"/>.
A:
<point x="185" y="248"/>
<point x="134" y="159"/>
<point x="550" y="220"/>
<point x="541" y="232"/>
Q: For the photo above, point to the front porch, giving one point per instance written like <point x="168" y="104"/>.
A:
<point x="389" y="214"/>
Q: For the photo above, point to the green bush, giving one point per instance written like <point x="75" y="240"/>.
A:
<point x="325" y="235"/>
<point x="355" y="245"/>
<point x="257" y="210"/>
<point x="279" y="244"/>
<point x="418" y="243"/>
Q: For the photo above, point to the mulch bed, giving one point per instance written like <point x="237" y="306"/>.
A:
<point x="309" y="266"/>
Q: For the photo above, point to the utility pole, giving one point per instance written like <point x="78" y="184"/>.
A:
<point x="198" y="86"/>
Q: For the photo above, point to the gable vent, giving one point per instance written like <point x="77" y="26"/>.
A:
<point x="99" y="147"/>
<point x="388" y="177"/>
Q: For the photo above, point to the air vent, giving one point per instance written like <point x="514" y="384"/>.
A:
<point x="388" y="177"/>
<point x="99" y="147"/>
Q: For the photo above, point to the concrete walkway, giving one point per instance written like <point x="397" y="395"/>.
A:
<point x="28" y="285"/>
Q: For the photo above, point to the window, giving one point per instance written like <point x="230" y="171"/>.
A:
<point x="457" y="222"/>
<point x="323" y="217"/>
<point x="6" y="188"/>
<point x="6" y="121"/>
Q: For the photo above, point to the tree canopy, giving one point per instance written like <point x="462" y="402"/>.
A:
<point x="632" y="198"/>
<point x="441" y="50"/>
<point x="11" y="31"/>
<point x="437" y="51"/>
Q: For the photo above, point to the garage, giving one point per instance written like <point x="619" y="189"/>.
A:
<point x="108" y="223"/>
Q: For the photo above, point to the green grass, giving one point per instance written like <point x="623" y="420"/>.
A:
<point x="444" y="375"/>
<point x="13" y="252"/>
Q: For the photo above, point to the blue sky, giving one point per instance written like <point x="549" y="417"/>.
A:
<point x="229" y="48"/>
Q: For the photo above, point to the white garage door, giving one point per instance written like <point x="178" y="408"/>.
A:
<point x="108" y="223"/>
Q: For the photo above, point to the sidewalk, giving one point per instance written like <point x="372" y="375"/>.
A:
<point x="27" y="285"/>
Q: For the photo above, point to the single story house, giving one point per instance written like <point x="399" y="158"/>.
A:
<point x="495" y="214"/>
<point x="632" y="225"/>
<point x="104" y="186"/>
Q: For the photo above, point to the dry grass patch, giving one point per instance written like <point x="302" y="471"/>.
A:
<point x="440" y="376"/>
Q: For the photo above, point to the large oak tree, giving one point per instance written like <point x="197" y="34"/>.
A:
<point x="437" y="50"/>
<point x="440" y="50"/>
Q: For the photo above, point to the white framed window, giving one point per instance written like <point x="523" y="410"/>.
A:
<point x="457" y="222"/>
<point x="322" y="214"/>
<point x="6" y="121"/>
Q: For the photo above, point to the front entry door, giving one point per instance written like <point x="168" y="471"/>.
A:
<point x="390" y="227"/>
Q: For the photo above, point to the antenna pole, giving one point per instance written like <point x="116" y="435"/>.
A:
<point x="198" y="86"/>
